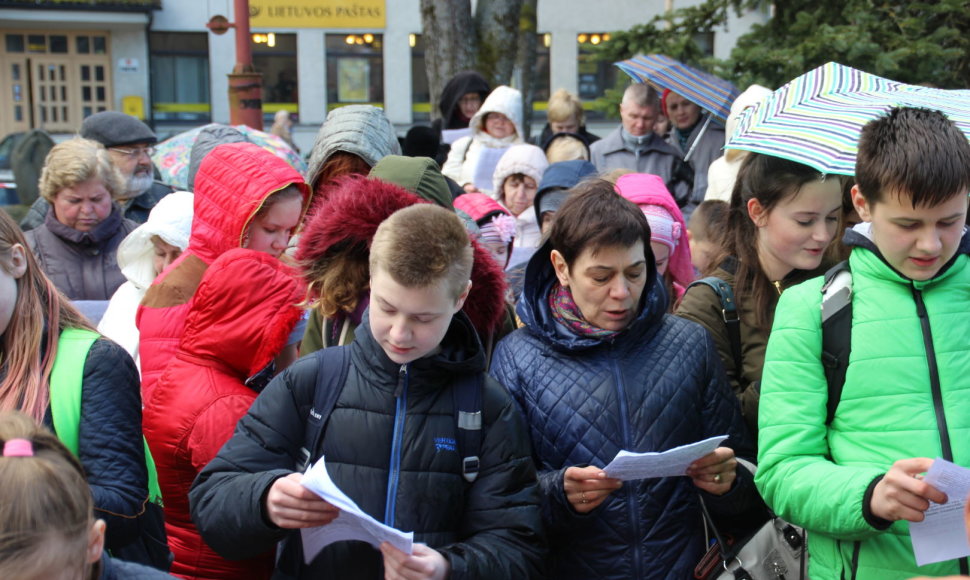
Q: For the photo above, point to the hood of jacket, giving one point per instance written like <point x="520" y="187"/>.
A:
<point x="467" y="81"/>
<point x="363" y="130"/>
<point x="534" y="310"/>
<point x="170" y="220"/>
<point x="646" y="189"/>
<point x="461" y="353"/>
<point x="505" y="100"/>
<point x="243" y="311"/>
<point x="419" y="175"/>
<point x="562" y="175"/>
<point x="210" y="137"/>
<point x="358" y="205"/>
<point x="232" y="183"/>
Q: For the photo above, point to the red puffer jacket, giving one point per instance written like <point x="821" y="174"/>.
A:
<point x="240" y="317"/>
<point x="232" y="183"/>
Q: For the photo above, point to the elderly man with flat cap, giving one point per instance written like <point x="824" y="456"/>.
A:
<point x="130" y="144"/>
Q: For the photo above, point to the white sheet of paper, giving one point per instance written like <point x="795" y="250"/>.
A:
<point x="628" y="465"/>
<point x="942" y="535"/>
<point x="449" y="136"/>
<point x="487" y="161"/>
<point x="351" y="524"/>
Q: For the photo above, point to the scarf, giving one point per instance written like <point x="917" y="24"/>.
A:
<point x="566" y="312"/>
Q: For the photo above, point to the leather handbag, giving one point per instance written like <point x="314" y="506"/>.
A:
<point x="775" y="551"/>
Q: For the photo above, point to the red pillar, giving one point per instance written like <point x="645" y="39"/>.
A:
<point x="245" y="84"/>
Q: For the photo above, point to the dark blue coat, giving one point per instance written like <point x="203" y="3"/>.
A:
<point x="657" y="385"/>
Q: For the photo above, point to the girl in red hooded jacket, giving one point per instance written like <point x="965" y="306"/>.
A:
<point x="245" y="197"/>
<point x="240" y="318"/>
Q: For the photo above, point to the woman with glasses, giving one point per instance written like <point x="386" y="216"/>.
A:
<point x="78" y="241"/>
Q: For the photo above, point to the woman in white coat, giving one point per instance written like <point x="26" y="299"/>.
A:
<point x="142" y="256"/>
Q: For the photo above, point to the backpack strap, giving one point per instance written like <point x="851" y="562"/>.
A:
<point x="333" y="364"/>
<point x="467" y="394"/>
<point x="836" y="332"/>
<point x="66" y="383"/>
<point x="729" y="312"/>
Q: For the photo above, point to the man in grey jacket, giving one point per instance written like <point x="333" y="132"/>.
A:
<point x="634" y="146"/>
<point x="129" y="143"/>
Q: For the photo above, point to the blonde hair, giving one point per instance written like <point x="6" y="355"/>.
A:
<point x="422" y="244"/>
<point x="75" y="161"/>
<point x="563" y="106"/>
<point x="39" y="315"/>
<point x="566" y="148"/>
<point x="46" y="507"/>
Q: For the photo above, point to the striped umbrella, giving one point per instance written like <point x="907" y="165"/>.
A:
<point x="816" y="118"/>
<point x="705" y="90"/>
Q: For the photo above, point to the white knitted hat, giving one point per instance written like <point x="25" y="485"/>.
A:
<point x="523" y="158"/>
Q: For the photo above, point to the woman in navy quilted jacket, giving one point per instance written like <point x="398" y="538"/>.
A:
<point x="601" y="367"/>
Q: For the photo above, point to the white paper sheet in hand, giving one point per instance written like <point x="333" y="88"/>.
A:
<point x="449" y="136"/>
<point x="942" y="535"/>
<point x="628" y="466"/>
<point x="351" y="524"/>
<point x="488" y="158"/>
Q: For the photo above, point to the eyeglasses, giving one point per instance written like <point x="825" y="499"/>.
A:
<point x="148" y="151"/>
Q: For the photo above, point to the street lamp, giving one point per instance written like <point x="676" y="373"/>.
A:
<point x="245" y="84"/>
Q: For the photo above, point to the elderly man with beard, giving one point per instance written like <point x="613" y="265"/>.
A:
<point x="129" y="143"/>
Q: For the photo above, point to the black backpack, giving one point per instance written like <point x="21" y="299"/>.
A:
<point x="836" y="327"/>
<point x="332" y="366"/>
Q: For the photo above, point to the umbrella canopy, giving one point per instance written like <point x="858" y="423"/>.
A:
<point x="705" y="90"/>
<point x="816" y="118"/>
<point x="171" y="156"/>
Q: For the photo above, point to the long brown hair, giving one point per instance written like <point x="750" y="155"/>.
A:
<point x="769" y="180"/>
<point x="46" y="508"/>
<point x="39" y="315"/>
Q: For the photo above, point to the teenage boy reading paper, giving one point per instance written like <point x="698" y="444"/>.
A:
<point x="855" y="483"/>
<point x="390" y="439"/>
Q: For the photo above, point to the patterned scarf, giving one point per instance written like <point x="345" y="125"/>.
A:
<point x="565" y="311"/>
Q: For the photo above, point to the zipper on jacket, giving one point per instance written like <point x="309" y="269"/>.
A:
<point x="924" y="322"/>
<point x="394" y="471"/>
<point x="941" y="426"/>
<point x="633" y="512"/>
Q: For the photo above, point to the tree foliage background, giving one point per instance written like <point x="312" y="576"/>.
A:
<point x="924" y="42"/>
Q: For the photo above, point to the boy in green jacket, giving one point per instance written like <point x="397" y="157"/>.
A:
<point x="855" y="483"/>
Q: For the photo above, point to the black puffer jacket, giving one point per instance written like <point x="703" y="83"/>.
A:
<point x="657" y="385"/>
<point x="110" y="444"/>
<point x="488" y="529"/>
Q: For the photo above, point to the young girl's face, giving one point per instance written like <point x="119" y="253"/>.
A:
<point x="499" y="250"/>
<point x="518" y="193"/>
<point x="795" y="233"/>
<point x="498" y="125"/>
<point x="270" y="232"/>
<point x="661" y="255"/>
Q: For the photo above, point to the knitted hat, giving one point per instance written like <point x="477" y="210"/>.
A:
<point x="663" y="228"/>
<point x="111" y="128"/>
<point x="522" y="158"/>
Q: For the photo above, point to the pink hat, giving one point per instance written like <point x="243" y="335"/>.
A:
<point x="663" y="228"/>
<point x="666" y="222"/>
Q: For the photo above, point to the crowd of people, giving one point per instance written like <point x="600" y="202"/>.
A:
<point x="469" y="335"/>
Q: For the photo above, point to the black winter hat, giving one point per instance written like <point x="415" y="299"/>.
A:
<point x="111" y="128"/>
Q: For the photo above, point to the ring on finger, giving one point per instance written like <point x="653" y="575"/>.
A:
<point x="583" y="497"/>
<point x="717" y="478"/>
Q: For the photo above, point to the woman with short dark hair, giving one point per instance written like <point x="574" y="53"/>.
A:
<point x="600" y="367"/>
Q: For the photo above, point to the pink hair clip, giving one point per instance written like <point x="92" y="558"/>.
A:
<point x="18" y="448"/>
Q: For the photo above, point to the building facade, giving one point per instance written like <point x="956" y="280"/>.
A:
<point x="156" y="58"/>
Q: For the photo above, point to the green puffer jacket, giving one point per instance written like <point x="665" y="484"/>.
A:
<point x="817" y="476"/>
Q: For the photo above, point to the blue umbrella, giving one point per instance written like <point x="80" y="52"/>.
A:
<point x="705" y="90"/>
<point x="816" y="118"/>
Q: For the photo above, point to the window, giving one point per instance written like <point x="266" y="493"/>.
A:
<point x="355" y="69"/>
<point x="180" y="76"/>
<point x="274" y="55"/>
<point x="594" y="76"/>
<point x="421" y="104"/>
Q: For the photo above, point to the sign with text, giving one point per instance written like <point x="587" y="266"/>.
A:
<point x="317" y="13"/>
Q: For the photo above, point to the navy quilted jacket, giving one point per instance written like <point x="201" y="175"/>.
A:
<point x="657" y="385"/>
